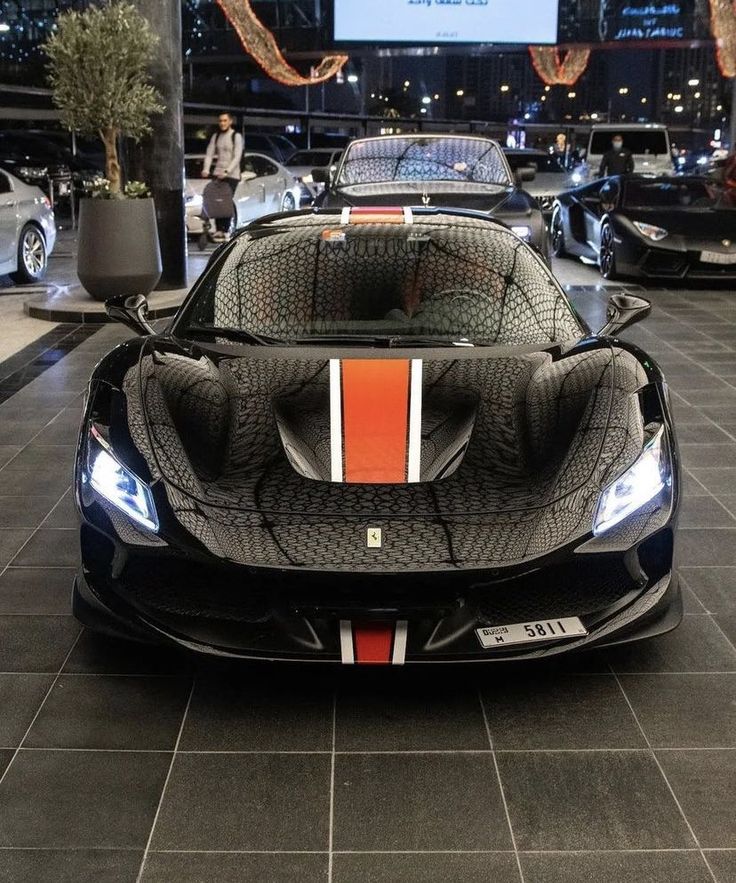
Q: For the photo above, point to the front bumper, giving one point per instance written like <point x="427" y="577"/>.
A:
<point x="659" y="262"/>
<point x="242" y="612"/>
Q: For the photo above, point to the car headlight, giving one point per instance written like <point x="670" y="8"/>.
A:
<point x="636" y="487"/>
<point x="576" y="177"/>
<point x="650" y="231"/>
<point x="524" y="232"/>
<point x="117" y="484"/>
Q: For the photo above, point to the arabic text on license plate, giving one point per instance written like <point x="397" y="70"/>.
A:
<point x="529" y="632"/>
<point x="717" y="257"/>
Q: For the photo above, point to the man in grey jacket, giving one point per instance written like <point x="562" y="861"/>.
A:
<point x="225" y="151"/>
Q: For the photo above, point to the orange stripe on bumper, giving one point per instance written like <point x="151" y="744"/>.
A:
<point x="375" y="415"/>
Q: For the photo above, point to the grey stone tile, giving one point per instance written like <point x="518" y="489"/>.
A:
<point x="705" y="783"/>
<point x="50" y="547"/>
<point x="425" y="868"/>
<point x="11" y="540"/>
<point x="41" y="590"/>
<point x="696" y="645"/>
<point x="101" y="654"/>
<point x="64" y="514"/>
<point x="561" y="712"/>
<point x="36" y="643"/>
<point x="723" y="865"/>
<point x="718" y="481"/>
<point x="81" y="798"/>
<point x="702" y="546"/>
<point x="69" y="865"/>
<point x="715" y="587"/>
<point x="25" y="511"/>
<point x="685" y="710"/>
<point x="623" y="867"/>
<point x="590" y="800"/>
<point x="704" y="512"/>
<point x="7" y="453"/>
<point x="97" y="711"/>
<point x="187" y="867"/>
<point x="401" y="802"/>
<point x="20" y="697"/>
<point x="251" y="802"/>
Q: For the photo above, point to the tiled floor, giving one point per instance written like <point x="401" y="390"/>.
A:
<point x="118" y="761"/>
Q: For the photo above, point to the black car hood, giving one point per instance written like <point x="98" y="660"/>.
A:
<point x="516" y="445"/>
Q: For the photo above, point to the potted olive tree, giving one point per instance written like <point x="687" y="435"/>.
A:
<point x="99" y="73"/>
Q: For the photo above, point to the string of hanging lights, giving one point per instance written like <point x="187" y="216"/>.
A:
<point x="723" y="29"/>
<point x="554" y="70"/>
<point x="259" y="42"/>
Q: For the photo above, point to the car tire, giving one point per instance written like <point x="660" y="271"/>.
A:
<point x="607" y="252"/>
<point x="32" y="256"/>
<point x="557" y="235"/>
<point x="288" y="203"/>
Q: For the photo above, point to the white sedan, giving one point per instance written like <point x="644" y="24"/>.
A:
<point x="27" y="229"/>
<point x="265" y="187"/>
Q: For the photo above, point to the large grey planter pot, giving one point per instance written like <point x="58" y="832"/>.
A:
<point x="118" y="251"/>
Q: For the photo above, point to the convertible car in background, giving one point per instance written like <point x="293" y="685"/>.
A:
<point x="447" y="171"/>
<point x="412" y="451"/>
<point x="663" y="228"/>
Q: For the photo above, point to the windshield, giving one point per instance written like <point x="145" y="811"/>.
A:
<point x="542" y="162"/>
<point x="450" y="282"/>
<point x="311" y="158"/>
<point x="652" y="141"/>
<point x="413" y="158"/>
<point x="674" y="193"/>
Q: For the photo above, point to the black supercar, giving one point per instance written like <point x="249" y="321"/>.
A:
<point x="666" y="227"/>
<point x="374" y="437"/>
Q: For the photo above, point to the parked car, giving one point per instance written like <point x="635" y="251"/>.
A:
<point x="303" y="163"/>
<point x="453" y="171"/>
<point x="378" y="435"/>
<point x="265" y="187"/>
<point x="276" y="146"/>
<point x="649" y="144"/>
<point x="550" y="176"/>
<point x="668" y="227"/>
<point x="27" y="229"/>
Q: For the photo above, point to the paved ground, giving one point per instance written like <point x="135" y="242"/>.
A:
<point x="611" y="766"/>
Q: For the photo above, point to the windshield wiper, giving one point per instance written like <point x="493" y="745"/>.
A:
<point x="235" y="334"/>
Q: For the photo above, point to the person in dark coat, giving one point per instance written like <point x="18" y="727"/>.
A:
<point x="618" y="160"/>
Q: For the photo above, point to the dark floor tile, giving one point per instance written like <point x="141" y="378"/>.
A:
<point x="410" y="715"/>
<point x="691" y="487"/>
<point x="36" y="643"/>
<point x="715" y="587"/>
<point x="717" y="481"/>
<point x="50" y="547"/>
<point x="11" y="540"/>
<point x="51" y="479"/>
<point x="25" y="511"/>
<point x="400" y="802"/>
<point x="704" y="512"/>
<point x="81" y="798"/>
<point x="705" y="784"/>
<point x="43" y="458"/>
<point x="62" y="430"/>
<point x="707" y="433"/>
<point x="727" y="624"/>
<point x="703" y="546"/>
<point x="561" y="712"/>
<point x="101" y="654"/>
<point x="723" y="865"/>
<point x="182" y="867"/>
<point x="20" y="697"/>
<point x="246" y="801"/>
<point x="685" y="711"/>
<point x="697" y="644"/>
<point x="714" y="456"/>
<point x="69" y="865"/>
<point x="64" y="514"/>
<point x="43" y="590"/>
<point x="98" y="711"/>
<point x="7" y="453"/>
<point x="19" y="429"/>
<point x="235" y="714"/>
<point x="623" y="867"/>
<point x="426" y="868"/>
<point x="590" y="801"/>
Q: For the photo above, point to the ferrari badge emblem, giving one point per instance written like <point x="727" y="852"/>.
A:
<point x="374" y="538"/>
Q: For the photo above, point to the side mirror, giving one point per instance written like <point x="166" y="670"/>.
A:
<point x="624" y="310"/>
<point x="525" y="174"/>
<point x="131" y="310"/>
<point x="320" y="176"/>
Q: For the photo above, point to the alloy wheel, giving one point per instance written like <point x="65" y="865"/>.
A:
<point x="607" y="253"/>
<point x="33" y="252"/>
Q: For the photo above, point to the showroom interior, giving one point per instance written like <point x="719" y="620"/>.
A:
<point x="367" y="441"/>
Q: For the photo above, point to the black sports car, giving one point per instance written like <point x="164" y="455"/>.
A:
<point x="448" y="171"/>
<point x="378" y="436"/>
<point x="669" y="228"/>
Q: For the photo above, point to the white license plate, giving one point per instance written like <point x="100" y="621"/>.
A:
<point x="530" y="632"/>
<point x="717" y="257"/>
<point x="64" y="189"/>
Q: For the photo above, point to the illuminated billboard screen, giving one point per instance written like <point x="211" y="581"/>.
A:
<point x="446" y="21"/>
<point x="620" y="21"/>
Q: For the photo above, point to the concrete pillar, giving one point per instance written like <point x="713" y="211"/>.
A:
<point x="162" y="154"/>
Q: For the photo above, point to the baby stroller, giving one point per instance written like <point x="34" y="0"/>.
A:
<point x="217" y="202"/>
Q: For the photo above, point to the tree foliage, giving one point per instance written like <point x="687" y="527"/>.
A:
<point x="99" y="70"/>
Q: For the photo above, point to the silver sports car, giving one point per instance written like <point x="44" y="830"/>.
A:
<point x="27" y="229"/>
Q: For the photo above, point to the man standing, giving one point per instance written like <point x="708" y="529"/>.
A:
<point x="618" y="160"/>
<point x="225" y="150"/>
